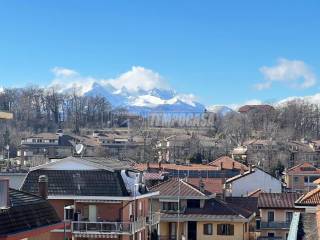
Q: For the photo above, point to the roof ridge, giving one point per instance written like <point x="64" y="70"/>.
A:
<point x="192" y="187"/>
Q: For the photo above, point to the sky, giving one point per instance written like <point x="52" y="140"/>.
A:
<point x="222" y="52"/>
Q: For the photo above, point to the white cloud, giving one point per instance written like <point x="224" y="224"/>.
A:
<point x="295" y="73"/>
<point x="137" y="78"/>
<point x="64" y="72"/>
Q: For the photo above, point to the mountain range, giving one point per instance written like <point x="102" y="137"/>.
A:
<point x="155" y="100"/>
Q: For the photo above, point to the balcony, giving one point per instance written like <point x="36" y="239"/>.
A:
<point x="87" y="229"/>
<point x="275" y="225"/>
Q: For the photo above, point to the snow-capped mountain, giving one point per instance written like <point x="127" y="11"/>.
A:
<point x="220" y="110"/>
<point x="152" y="100"/>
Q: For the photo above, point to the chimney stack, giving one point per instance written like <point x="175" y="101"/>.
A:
<point x="201" y="185"/>
<point x="43" y="186"/>
<point x="4" y="193"/>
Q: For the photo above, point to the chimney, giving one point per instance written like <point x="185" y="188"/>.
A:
<point x="221" y="165"/>
<point x="43" y="186"/>
<point x="241" y="170"/>
<point x="148" y="165"/>
<point x="201" y="185"/>
<point x="4" y="193"/>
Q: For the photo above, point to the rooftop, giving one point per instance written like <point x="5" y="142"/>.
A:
<point x="172" y="188"/>
<point x="77" y="182"/>
<point x="26" y="212"/>
<point x="277" y="200"/>
<point x="311" y="198"/>
<point x="303" y="168"/>
<point x="226" y="162"/>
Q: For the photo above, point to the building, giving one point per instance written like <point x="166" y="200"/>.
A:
<point x="187" y="170"/>
<point x="256" y="108"/>
<point x="276" y="213"/>
<point x="24" y="215"/>
<point x="251" y="180"/>
<point x="226" y="162"/>
<point x="39" y="148"/>
<point x="96" y="197"/>
<point x="190" y="212"/>
<point x="300" y="178"/>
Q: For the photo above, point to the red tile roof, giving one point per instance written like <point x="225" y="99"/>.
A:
<point x="277" y="200"/>
<point x="171" y="187"/>
<point x="311" y="198"/>
<point x="226" y="162"/>
<point x="172" y="166"/>
<point x="261" y="107"/>
<point x="212" y="185"/>
<point x="303" y="168"/>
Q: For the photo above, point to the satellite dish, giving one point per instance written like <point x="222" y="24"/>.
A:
<point x="79" y="148"/>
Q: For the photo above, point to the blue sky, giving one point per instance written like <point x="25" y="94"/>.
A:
<point x="221" y="51"/>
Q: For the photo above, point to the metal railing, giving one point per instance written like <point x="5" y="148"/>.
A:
<point x="101" y="227"/>
<point x="275" y="225"/>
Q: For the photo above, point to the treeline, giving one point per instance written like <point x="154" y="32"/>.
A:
<point x="293" y="120"/>
<point x="40" y="110"/>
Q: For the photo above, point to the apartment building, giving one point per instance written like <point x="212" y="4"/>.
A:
<point x="24" y="215"/>
<point x="276" y="213"/>
<point x="96" y="197"/>
<point x="190" y="212"/>
<point x="301" y="177"/>
<point x="250" y="181"/>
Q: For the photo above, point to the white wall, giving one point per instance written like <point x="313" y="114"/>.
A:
<point x="256" y="180"/>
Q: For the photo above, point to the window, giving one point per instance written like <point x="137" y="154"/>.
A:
<point x="289" y="217"/>
<point x="270" y="234"/>
<point x="258" y="223"/>
<point x="296" y="179"/>
<point x="68" y="212"/>
<point x="246" y="227"/>
<point x="170" y="206"/>
<point x="225" y="229"/>
<point x="207" y="229"/>
<point x="270" y="216"/>
<point x="306" y="179"/>
<point x="193" y="203"/>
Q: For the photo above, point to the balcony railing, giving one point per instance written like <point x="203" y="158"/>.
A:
<point x="107" y="228"/>
<point x="275" y="225"/>
<point x="101" y="227"/>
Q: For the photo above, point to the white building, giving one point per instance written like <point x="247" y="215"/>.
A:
<point x="250" y="181"/>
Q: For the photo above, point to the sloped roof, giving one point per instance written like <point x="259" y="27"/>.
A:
<point x="277" y="200"/>
<point x="304" y="168"/>
<point x="228" y="163"/>
<point x="216" y="206"/>
<point x="260" y="107"/>
<point x="27" y="212"/>
<point x="77" y="182"/>
<point x="212" y="185"/>
<point x="311" y="198"/>
<point x="172" y="166"/>
<point x="171" y="188"/>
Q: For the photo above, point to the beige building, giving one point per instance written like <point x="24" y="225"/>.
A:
<point x="276" y="212"/>
<point x="301" y="178"/>
<point x="188" y="212"/>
